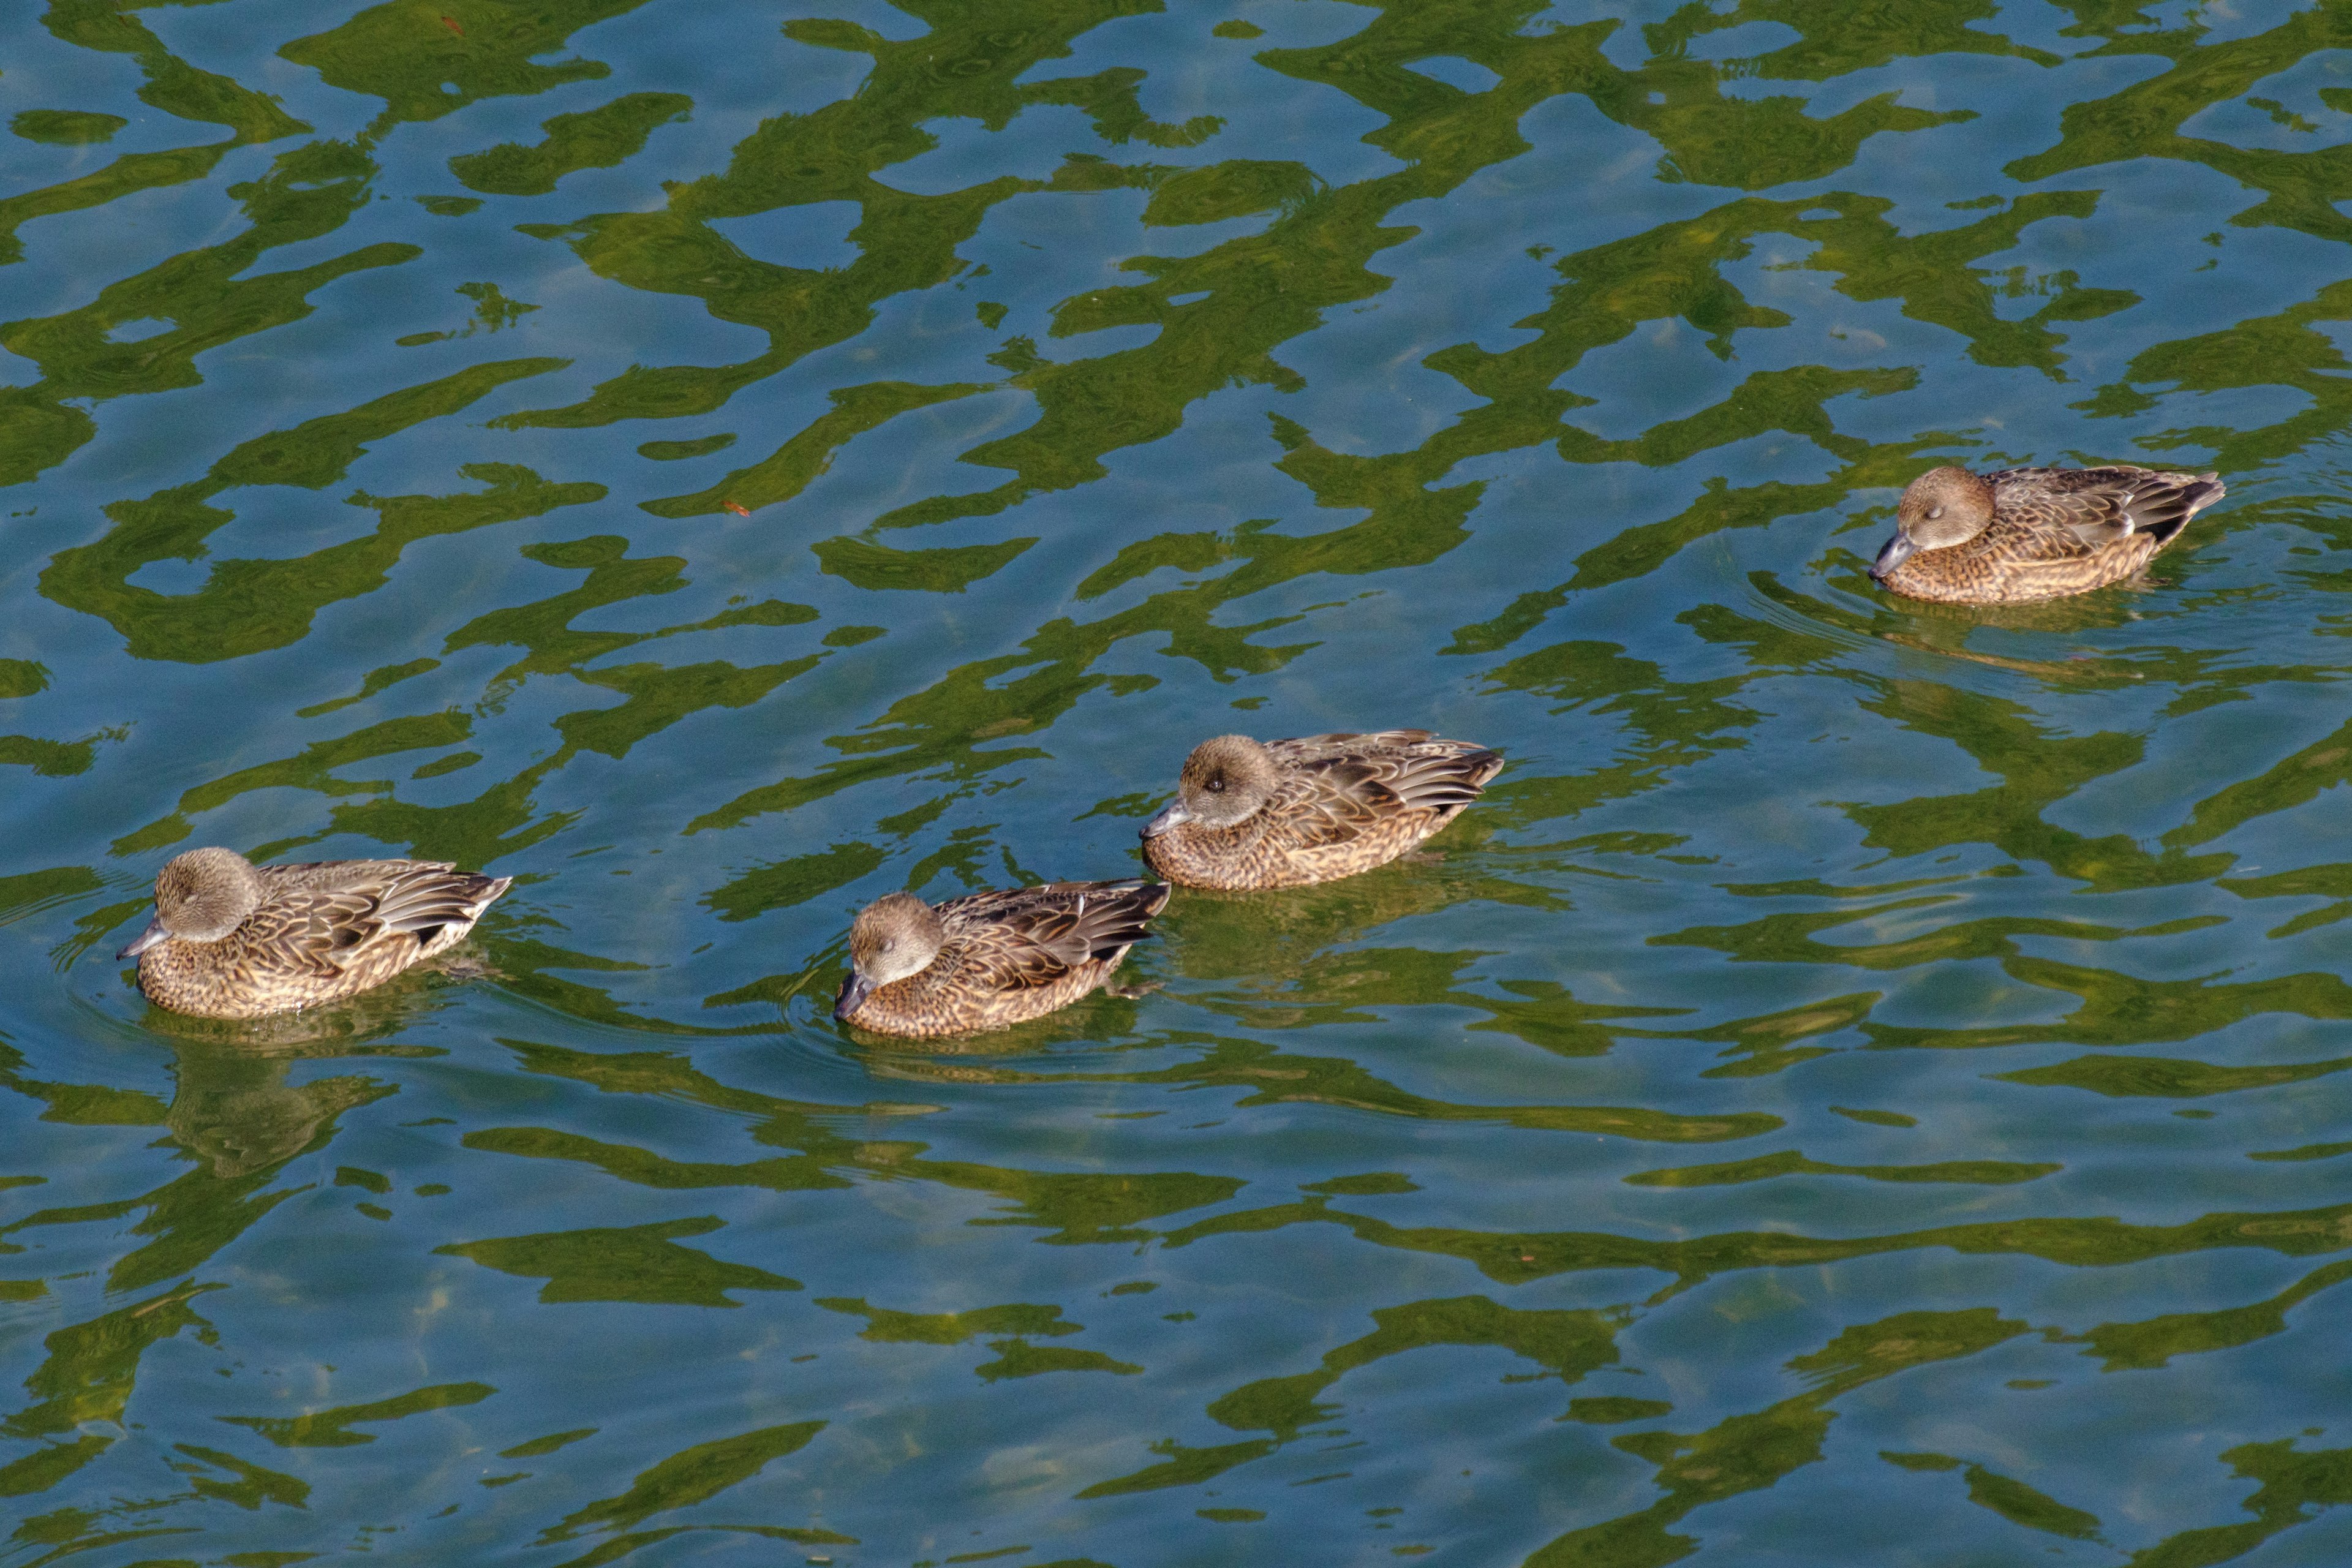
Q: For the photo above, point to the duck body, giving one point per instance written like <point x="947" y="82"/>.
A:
<point x="232" y="940"/>
<point x="990" y="960"/>
<point x="1252" y="815"/>
<point x="2023" y="535"/>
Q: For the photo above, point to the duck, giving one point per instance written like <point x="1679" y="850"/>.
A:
<point x="2027" y="534"/>
<point x="1251" y="815"/>
<point x="233" y="939"/>
<point x="989" y="960"/>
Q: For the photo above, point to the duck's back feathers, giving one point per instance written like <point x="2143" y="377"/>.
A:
<point x="2100" y="507"/>
<point x="334" y="914"/>
<point x="1028" y="938"/>
<point x="1346" y="786"/>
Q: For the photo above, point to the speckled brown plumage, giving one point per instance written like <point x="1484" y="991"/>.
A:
<point x="989" y="961"/>
<point x="298" y="936"/>
<point x="2051" y="532"/>
<point x="1320" y="806"/>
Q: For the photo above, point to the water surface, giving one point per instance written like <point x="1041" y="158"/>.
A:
<point x="1864" y="1087"/>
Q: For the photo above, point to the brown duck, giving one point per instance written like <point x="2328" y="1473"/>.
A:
<point x="233" y="939"/>
<point x="2024" y="534"/>
<point x="988" y="961"/>
<point x="1281" y="813"/>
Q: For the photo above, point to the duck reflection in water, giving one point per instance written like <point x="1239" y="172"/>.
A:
<point x="235" y="1108"/>
<point x="1955" y="630"/>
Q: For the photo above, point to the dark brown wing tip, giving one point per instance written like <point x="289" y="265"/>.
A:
<point x="1482" y="765"/>
<point x="1144" y="898"/>
<point x="1118" y="924"/>
<point x="2192" y="498"/>
<point x="480" y="892"/>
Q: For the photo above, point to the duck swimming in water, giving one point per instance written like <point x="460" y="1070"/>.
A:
<point x="233" y="939"/>
<point x="2026" y="534"/>
<point x="1282" y="814"/>
<point x="988" y="961"/>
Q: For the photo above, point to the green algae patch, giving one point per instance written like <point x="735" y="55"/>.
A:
<point x="1764" y="1167"/>
<point x="635" y="1263"/>
<point x="331" y="1428"/>
<point x="66" y="127"/>
<point x="598" y="138"/>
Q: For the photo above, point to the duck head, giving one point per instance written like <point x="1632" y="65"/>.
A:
<point x="896" y="935"/>
<point x="1944" y="507"/>
<point x="1224" y="781"/>
<point x="200" y="896"/>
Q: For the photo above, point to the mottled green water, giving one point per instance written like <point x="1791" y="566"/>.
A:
<point x="1864" y="1088"/>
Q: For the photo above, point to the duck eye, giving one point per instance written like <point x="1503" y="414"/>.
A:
<point x="1935" y="513"/>
<point x="1217" y="786"/>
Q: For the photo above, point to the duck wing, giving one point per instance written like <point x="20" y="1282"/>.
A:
<point x="1438" y="773"/>
<point x="1342" y="787"/>
<point x="2093" y="508"/>
<point x="318" y="916"/>
<point x="1019" y="939"/>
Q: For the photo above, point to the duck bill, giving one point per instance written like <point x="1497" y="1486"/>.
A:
<point x="147" y="939"/>
<point x="1898" y="550"/>
<point x="1175" y="817"/>
<point x="854" y="989"/>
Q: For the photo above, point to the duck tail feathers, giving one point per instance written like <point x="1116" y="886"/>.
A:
<point x="1114" y="917"/>
<point x="2163" y="515"/>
